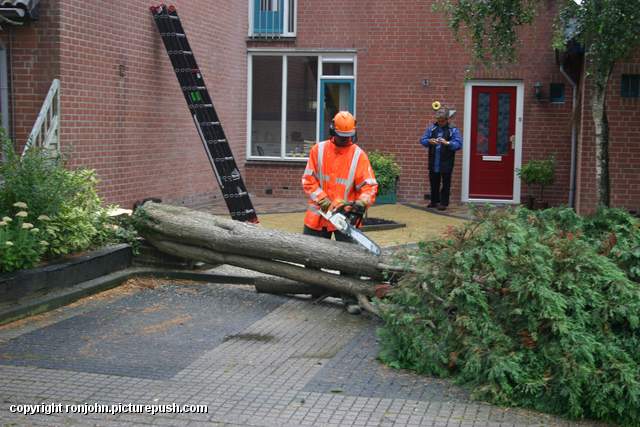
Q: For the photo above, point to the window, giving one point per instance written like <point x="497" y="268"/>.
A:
<point x="630" y="86"/>
<point x="272" y="18"/>
<point x="292" y="99"/>
<point x="556" y="92"/>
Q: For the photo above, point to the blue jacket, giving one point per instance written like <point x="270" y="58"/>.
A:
<point x="442" y="157"/>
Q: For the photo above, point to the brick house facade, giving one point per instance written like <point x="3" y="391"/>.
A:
<point x="123" y="112"/>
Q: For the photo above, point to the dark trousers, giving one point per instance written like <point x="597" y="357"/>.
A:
<point x="324" y="233"/>
<point x="440" y="195"/>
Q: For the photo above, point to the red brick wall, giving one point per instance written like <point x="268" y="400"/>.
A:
<point x="400" y="43"/>
<point x="135" y="129"/>
<point x="624" y="144"/>
<point x="32" y="53"/>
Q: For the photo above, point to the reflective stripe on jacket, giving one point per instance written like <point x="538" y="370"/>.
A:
<point x="337" y="173"/>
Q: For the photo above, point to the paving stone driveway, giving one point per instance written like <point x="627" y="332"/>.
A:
<point x="254" y="359"/>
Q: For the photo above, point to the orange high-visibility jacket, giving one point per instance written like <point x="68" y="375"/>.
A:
<point x="337" y="173"/>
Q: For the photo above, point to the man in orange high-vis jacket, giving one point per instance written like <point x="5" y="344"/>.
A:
<point x="338" y="172"/>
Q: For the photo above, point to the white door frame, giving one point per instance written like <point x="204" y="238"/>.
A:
<point x="466" y="147"/>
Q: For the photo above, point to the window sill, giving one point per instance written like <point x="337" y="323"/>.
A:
<point x="271" y="38"/>
<point x="256" y="161"/>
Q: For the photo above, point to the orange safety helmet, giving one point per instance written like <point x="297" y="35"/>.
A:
<point x="343" y="124"/>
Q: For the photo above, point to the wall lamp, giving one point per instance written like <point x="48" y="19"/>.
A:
<point x="537" y="88"/>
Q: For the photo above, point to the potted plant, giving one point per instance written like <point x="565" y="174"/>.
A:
<point x="387" y="172"/>
<point x="537" y="172"/>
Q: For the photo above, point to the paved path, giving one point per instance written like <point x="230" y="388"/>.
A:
<point x="254" y="359"/>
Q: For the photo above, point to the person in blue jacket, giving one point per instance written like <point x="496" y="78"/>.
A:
<point x="442" y="140"/>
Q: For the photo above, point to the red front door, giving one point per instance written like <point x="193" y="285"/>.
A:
<point x="493" y="126"/>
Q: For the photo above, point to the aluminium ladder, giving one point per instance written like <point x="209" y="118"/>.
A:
<point x="204" y="115"/>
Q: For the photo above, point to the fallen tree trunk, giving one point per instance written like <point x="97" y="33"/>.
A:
<point x="225" y="236"/>
<point x="282" y="286"/>
<point x="321" y="279"/>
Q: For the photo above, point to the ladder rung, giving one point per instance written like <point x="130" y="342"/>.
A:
<point x="223" y="159"/>
<point x="192" y="88"/>
<point x="209" y="123"/>
<point x="197" y="106"/>
<point x="235" y="195"/>
<point x="172" y="35"/>
<point x="230" y="178"/>
<point x="180" y="52"/>
<point x="216" y="141"/>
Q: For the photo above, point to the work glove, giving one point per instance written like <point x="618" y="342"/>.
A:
<point x="324" y="204"/>
<point x="336" y="205"/>
<point x="359" y="207"/>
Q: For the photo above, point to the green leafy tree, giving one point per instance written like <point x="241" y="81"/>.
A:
<point x="607" y="29"/>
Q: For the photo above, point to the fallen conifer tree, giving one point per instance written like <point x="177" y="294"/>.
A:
<point x="533" y="309"/>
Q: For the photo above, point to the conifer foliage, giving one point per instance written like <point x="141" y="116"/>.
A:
<point x="533" y="309"/>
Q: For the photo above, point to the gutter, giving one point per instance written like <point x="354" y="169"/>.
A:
<point x="574" y="138"/>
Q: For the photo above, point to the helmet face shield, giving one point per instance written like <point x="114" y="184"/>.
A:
<point x="346" y="134"/>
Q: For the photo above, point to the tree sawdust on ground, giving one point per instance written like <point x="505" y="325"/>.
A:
<point x="165" y="325"/>
<point x="127" y="288"/>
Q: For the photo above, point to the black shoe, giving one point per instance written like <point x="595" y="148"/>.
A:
<point x="351" y="304"/>
<point x="442" y="207"/>
<point x="432" y="205"/>
<point x="353" y="309"/>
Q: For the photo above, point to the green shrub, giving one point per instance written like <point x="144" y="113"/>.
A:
<point x="79" y="219"/>
<point x="386" y="169"/>
<point x="538" y="172"/>
<point x="526" y="309"/>
<point x="37" y="179"/>
<point x="63" y="205"/>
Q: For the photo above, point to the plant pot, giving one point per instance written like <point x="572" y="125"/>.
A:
<point x="541" y="205"/>
<point x="530" y="202"/>
<point x="387" y="197"/>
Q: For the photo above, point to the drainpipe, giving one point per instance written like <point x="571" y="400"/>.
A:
<point x="574" y="139"/>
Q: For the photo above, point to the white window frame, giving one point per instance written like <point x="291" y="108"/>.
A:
<point x="285" y="20"/>
<point x="323" y="57"/>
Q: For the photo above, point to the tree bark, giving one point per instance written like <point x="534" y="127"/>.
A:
<point x="601" y="124"/>
<point x="321" y="279"/>
<point x="224" y="236"/>
<point x="282" y="286"/>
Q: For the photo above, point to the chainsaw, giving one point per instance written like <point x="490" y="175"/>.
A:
<point x="346" y="219"/>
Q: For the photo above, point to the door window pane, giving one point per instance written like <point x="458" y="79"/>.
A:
<point x="337" y="68"/>
<point x="302" y="84"/>
<point x="504" y="122"/>
<point x="482" y="132"/>
<point x="337" y="97"/>
<point x="266" y="106"/>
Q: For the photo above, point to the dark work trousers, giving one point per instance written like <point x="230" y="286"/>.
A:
<point x="440" y="195"/>
<point x="326" y="234"/>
